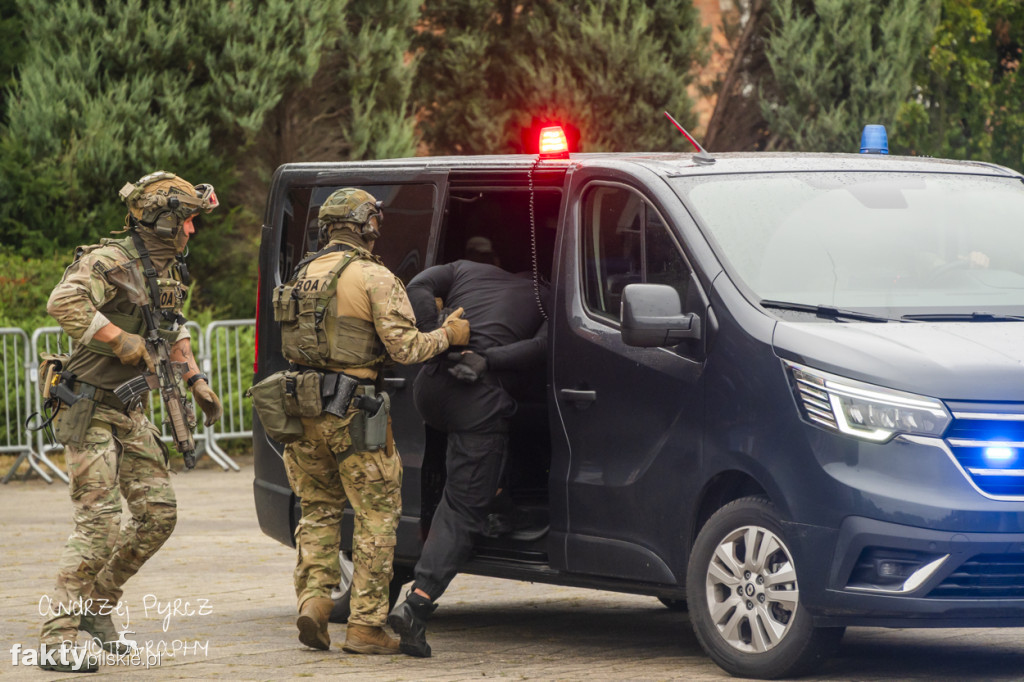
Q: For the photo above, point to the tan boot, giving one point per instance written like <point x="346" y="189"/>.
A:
<point x="364" y="639"/>
<point x="103" y="631"/>
<point x="312" y="622"/>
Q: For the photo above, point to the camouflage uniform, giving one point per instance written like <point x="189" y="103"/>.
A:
<point x="120" y="453"/>
<point x="324" y="470"/>
<point x="112" y="449"/>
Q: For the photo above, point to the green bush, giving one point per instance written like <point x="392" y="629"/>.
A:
<point x="25" y="285"/>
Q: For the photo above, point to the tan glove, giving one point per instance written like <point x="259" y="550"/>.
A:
<point x="208" y="401"/>
<point x="130" y="348"/>
<point x="456" y="328"/>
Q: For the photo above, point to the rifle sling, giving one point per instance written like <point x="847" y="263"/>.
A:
<point x="151" y="279"/>
<point x="322" y="252"/>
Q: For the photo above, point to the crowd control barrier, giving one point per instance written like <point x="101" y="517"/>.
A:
<point x="230" y="348"/>
<point x="224" y="351"/>
<point x="16" y="406"/>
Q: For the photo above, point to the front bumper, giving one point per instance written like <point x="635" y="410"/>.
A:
<point x="891" y="575"/>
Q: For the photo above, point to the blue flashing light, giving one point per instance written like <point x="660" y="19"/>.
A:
<point x="874" y="140"/>
<point x="999" y="455"/>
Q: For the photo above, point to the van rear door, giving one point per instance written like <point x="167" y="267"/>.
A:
<point x="411" y="199"/>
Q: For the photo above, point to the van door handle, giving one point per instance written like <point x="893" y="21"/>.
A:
<point x="575" y="396"/>
<point x="394" y="382"/>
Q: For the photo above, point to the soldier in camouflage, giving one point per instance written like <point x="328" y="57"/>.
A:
<point x="366" y="321"/>
<point x="112" y="449"/>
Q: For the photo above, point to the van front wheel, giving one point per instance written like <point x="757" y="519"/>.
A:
<point x="744" y="596"/>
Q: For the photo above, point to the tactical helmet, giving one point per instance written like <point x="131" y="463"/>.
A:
<point x="352" y="208"/>
<point x="162" y="201"/>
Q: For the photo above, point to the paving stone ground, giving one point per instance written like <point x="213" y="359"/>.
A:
<point x="484" y="629"/>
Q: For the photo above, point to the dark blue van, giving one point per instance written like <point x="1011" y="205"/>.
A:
<point x="784" y="391"/>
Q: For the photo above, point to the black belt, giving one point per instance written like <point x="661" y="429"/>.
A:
<point x="361" y="380"/>
<point x="99" y="395"/>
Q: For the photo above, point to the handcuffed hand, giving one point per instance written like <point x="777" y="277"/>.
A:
<point x="443" y="314"/>
<point x="470" y="368"/>
<point x="208" y="401"/>
<point x="456" y="328"/>
<point x="130" y="349"/>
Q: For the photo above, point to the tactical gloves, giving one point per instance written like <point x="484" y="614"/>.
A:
<point x="130" y="348"/>
<point x="208" y="401"/>
<point x="456" y="328"/>
<point x="471" y="366"/>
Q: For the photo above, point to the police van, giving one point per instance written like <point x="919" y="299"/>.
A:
<point x="784" y="391"/>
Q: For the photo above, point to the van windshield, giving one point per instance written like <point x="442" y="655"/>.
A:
<point x="891" y="243"/>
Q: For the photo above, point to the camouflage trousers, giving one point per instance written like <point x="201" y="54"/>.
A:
<point x="371" y="482"/>
<point x="120" y="455"/>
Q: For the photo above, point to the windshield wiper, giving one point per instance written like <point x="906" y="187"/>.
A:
<point x="963" y="317"/>
<point x="826" y="311"/>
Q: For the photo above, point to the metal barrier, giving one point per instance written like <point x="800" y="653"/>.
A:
<point x="222" y="352"/>
<point x="229" y="351"/>
<point x="16" y="405"/>
<point x="44" y="340"/>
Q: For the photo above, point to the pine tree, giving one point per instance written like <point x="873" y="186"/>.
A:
<point x="111" y="90"/>
<point x="840" y="64"/>
<point x="12" y="47"/>
<point x="357" y="106"/>
<point x="969" y="100"/>
<point x="489" y="69"/>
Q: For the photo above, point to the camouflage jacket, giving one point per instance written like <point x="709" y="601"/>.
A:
<point x="105" y="284"/>
<point x="369" y="291"/>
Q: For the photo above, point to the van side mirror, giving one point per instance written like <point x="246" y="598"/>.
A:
<point x="652" y="316"/>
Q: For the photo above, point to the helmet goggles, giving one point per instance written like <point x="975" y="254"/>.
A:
<point x="184" y="206"/>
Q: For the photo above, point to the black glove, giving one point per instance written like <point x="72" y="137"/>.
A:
<point x="471" y="366"/>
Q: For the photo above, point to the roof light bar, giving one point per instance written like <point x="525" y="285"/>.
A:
<point x="553" y="142"/>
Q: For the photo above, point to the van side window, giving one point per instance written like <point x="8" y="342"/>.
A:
<point x="625" y="241"/>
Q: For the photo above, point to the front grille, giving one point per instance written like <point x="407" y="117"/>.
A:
<point x="985" y="576"/>
<point x="973" y="433"/>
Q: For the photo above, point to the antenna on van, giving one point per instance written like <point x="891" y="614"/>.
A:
<point x="702" y="157"/>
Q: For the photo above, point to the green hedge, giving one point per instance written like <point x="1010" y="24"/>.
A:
<point x="25" y="284"/>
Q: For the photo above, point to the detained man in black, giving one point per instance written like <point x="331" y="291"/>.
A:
<point x="471" y="400"/>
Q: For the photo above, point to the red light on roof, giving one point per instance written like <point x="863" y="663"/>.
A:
<point x="553" y="142"/>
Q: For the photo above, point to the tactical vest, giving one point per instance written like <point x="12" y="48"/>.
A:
<point x="172" y="293"/>
<point x="312" y="332"/>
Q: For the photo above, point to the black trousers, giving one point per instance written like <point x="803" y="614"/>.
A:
<point x="476" y="419"/>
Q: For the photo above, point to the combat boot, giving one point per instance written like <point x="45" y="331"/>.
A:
<point x="365" y="639"/>
<point x="312" y="622"/>
<point x="409" y="620"/>
<point x="67" y="658"/>
<point x="102" y="629"/>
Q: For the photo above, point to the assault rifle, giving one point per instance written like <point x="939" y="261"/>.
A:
<point x="177" y="408"/>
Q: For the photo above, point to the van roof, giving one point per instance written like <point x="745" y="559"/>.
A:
<point x="674" y="164"/>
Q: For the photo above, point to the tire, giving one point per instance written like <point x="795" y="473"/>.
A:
<point x="341" y="593"/>
<point x="674" y="604"/>
<point x="765" y="633"/>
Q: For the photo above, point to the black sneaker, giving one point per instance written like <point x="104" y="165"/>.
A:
<point x="409" y="621"/>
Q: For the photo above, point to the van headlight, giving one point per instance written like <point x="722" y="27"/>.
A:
<point x="864" y="410"/>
